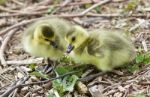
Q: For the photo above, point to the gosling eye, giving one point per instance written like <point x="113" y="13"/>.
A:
<point x="46" y="40"/>
<point x="47" y="32"/>
<point x="73" y="38"/>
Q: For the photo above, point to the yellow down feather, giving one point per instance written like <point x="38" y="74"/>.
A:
<point x="106" y="49"/>
<point x="45" y="38"/>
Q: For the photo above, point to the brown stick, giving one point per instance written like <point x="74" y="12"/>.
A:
<point x="16" y="25"/>
<point x="94" y="6"/>
<point x="73" y="15"/>
<point x="23" y="14"/>
<point x="4" y="45"/>
<point x="8" y="10"/>
<point x="27" y="61"/>
<point x="11" y="89"/>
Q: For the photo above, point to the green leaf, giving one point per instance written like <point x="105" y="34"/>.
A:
<point x="61" y="70"/>
<point x="142" y="58"/>
<point x="147" y="60"/>
<point x="39" y="74"/>
<point x="56" y="1"/>
<point x="2" y="2"/>
<point x="133" y="68"/>
<point x="139" y="58"/>
<point x="98" y="9"/>
<point x="69" y="83"/>
<point x="140" y="95"/>
<point x="50" y="9"/>
<point x="131" y="5"/>
<point x="53" y="93"/>
<point x="57" y="85"/>
<point x="87" y="5"/>
<point x="65" y="84"/>
<point x="32" y="66"/>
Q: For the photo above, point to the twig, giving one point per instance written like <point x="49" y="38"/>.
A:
<point x="147" y="15"/>
<point x="45" y="7"/>
<point x="140" y="22"/>
<point x="40" y="13"/>
<point x="24" y="23"/>
<point x="16" y="25"/>
<point x="23" y="14"/>
<point x="144" y="83"/>
<point x="14" y="87"/>
<point x="96" y="91"/>
<point x="17" y="2"/>
<point x="69" y="4"/>
<point x="94" y="6"/>
<point x="8" y="10"/>
<point x="31" y="20"/>
<point x="66" y="2"/>
<point x="4" y="45"/>
<point x="45" y="86"/>
<point x="115" y="85"/>
<point x="119" y="15"/>
<point x="144" y="45"/>
<point x="45" y="81"/>
<point x="4" y="86"/>
<point x="98" y="82"/>
<point x="34" y="83"/>
<point x="111" y="92"/>
<point x="27" y="61"/>
<point x="70" y="16"/>
<point x="5" y="70"/>
<point x="14" y="93"/>
<point x="80" y="15"/>
<point x="78" y="3"/>
<point x="45" y="2"/>
<point x="28" y="94"/>
<point x="17" y="13"/>
<point x="91" y="77"/>
<point x="5" y="78"/>
<point x="126" y="93"/>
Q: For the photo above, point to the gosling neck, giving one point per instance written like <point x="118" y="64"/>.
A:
<point x="81" y="48"/>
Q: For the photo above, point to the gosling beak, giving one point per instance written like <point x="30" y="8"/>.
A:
<point x="69" y="48"/>
<point x="53" y="44"/>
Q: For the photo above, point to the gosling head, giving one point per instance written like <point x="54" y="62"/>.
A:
<point x="45" y="34"/>
<point x="76" y="38"/>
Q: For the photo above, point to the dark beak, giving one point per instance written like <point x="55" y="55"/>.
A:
<point x="69" y="48"/>
<point x="53" y="44"/>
